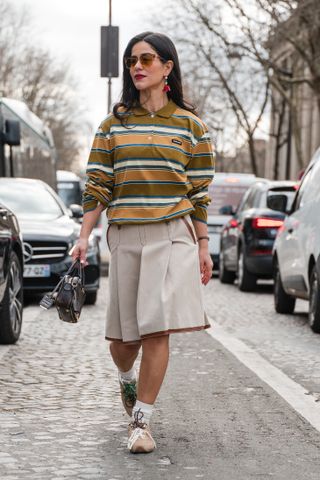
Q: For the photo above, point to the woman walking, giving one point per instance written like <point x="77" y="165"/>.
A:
<point x="150" y="166"/>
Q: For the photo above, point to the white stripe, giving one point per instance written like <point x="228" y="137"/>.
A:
<point x="195" y="173"/>
<point x="142" y="163"/>
<point x="99" y="167"/>
<point x="118" y="129"/>
<point x="199" y="195"/>
<point x="119" y="201"/>
<point x="293" y="393"/>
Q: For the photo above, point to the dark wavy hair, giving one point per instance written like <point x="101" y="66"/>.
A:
<point x="166" y="51"/>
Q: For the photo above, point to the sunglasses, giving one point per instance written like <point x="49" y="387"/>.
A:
<point x="146" y="59"/>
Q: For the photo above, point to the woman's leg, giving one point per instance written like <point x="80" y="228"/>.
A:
<point x="154" y="362"/>
<point x="123" y="355"/>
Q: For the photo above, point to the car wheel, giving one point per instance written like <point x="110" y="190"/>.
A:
<point x="225" y="276"/>
<point x="283" y="303"/>
<point x="91" y="298"/>
<point x="12" y="304"/>
<point x="246" y="281"/>
<point x="314" y="301"/>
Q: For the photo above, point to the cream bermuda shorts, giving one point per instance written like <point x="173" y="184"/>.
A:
<point x="154" y="280"/>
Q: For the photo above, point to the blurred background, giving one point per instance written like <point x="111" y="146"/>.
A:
<point x="251" y="67"/>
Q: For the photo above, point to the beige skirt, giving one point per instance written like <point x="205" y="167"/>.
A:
<point x="154" y="280"/>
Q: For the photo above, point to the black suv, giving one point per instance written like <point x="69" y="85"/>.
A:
<point x="11" y="269"/>
<point x="48" y="233"/>
<point x="247" y="239"/>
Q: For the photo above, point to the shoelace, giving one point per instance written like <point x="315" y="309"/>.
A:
<point x="136" y="434"/>
<point x="138" y="419"/>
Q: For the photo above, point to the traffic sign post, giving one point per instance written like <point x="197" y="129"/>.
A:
<point x="109" y="66"/>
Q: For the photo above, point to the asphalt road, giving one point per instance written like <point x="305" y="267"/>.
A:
<point x="61" y="416"/>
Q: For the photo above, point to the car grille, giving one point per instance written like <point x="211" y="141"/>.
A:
<point x="44" y="252"/>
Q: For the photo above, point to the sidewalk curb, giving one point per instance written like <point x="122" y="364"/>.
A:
<point x="293" y="393"/>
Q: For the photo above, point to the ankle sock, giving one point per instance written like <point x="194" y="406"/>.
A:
<point x="128" y="376"/>
<point x="142" y="411"/>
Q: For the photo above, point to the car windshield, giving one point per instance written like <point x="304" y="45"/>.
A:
<point x="29" y="201"/>
<point x="69" y="192"/>
<point x="227" y="194"/>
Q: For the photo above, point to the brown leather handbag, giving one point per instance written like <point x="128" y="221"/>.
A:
<point x="69" y="295"/>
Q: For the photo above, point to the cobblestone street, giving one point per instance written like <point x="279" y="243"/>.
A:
<point x="286" y="341"/>
<point x="61" y="416"/>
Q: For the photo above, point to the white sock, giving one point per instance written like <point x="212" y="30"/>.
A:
<point x="142" y="412"/>
<point x="128" y="376"/>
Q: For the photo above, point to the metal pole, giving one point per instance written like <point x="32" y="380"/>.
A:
<point x="109" y="94"/>
<point x="109" y="81"/>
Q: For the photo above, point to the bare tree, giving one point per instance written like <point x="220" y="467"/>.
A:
<point x="237" y="83"/>
<point x="31" y="74"/>
<point x="283" y="36"/>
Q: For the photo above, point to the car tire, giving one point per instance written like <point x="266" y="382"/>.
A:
<point x="247" y="281"/>
<point x="283" y="303"/>
<point x="314" y="301"/>
<point x="225" y="276"/>
<point x="91" y="298"/>
<point x="12" y="304"/>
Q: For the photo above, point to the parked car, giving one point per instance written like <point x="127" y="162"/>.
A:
<point x="225" y="188"/>
<point x="247" y="238"/>
<point x="296" y="254"/>
<point x="11" y="268"/>
<point x="48" y="235"/>
<point x="69" y="187"/>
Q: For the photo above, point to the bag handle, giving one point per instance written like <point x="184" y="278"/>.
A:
<point x="77" y="266"/>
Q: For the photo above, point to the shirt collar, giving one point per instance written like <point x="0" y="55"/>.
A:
<point x="164" y="112"/>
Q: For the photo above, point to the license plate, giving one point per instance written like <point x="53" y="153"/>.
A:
<point x="36" y="271"/>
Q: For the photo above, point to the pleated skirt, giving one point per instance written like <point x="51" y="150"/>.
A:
<point x="154" y="281"/>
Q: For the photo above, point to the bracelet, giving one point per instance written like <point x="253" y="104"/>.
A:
<point x="203" y="238"/>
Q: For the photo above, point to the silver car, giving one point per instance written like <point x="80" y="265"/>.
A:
<point x="296" y="251"/>
<point x="226" y="191"/>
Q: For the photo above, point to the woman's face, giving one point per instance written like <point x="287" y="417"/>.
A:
<point x="152" y="76"/>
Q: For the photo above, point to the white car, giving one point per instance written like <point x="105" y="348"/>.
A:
<point x="296" y="250"/>
<point x="226" y="191"/>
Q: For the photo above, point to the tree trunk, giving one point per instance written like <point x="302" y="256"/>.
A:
<point x="252" y="153"/>
<point x="296" y="132"/>
<point x="279" y="144"/>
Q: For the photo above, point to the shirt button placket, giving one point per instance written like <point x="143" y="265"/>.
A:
<point x="151" y="136"/>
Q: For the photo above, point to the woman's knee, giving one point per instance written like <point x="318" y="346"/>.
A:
<point x="123" y="349"/>
<point x="155" y="343"/>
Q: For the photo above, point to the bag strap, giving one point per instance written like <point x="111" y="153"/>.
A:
<point x="75" y="266"/>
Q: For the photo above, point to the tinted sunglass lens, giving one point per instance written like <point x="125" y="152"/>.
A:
<point x="146" y="59"/>
<point x="131" y="61"/>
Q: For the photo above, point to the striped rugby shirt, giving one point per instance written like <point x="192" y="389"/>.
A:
<point x="158" y="168"/>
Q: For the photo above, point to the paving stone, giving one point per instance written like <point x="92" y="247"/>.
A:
<point x="61" y="413"/>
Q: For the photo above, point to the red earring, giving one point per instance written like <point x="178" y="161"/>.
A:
<point x="166" y="87"/>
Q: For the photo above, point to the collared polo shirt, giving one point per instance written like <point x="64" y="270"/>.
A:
<point x="156" y="167"/>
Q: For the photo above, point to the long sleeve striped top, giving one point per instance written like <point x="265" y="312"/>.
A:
<point x="155" y="168"/>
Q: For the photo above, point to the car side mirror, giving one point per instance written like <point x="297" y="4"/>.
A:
<point x="12" y="135"/>
<point x="277" y="202"/>
<point x="226" y="210"/>
<point x="76" y="210"/>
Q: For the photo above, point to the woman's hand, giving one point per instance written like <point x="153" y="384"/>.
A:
<point x="206" y="264"/>
<point x="79" y="250"/>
